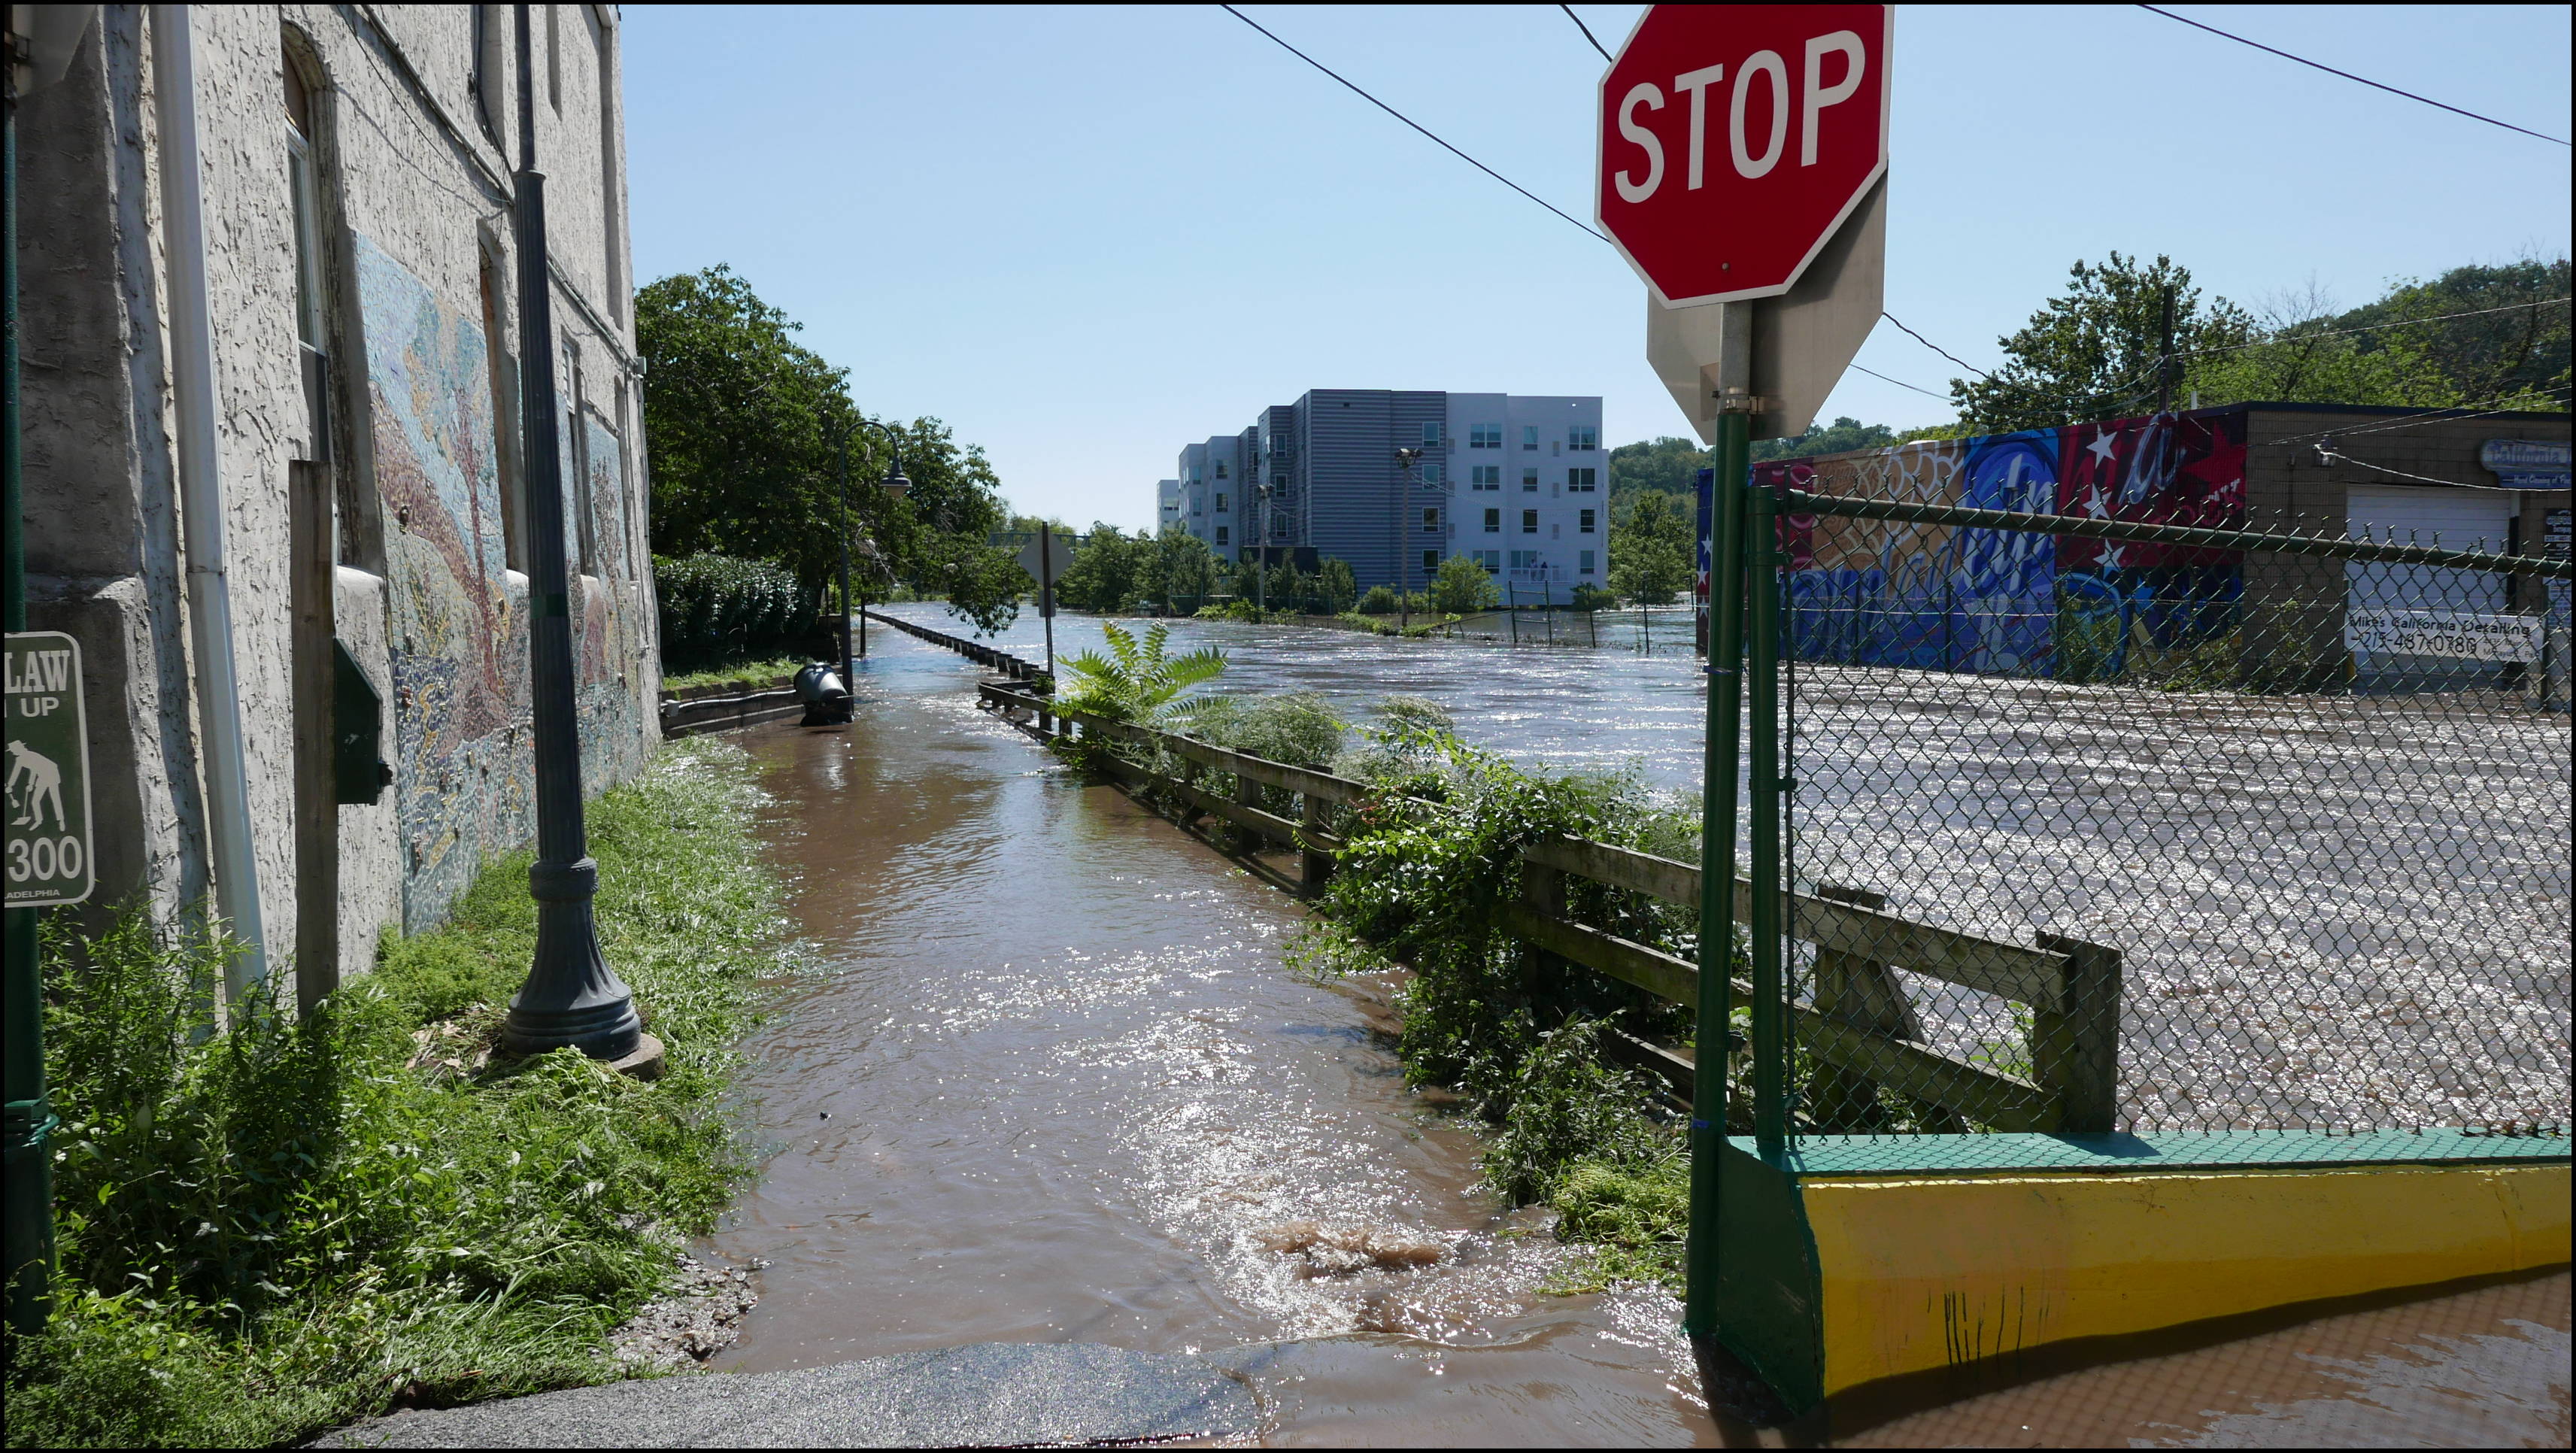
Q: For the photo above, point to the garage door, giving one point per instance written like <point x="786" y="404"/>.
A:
<point x="2462" y="519"/>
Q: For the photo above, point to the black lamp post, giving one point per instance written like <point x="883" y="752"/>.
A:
<point x="571" y="996"/>
<point x="894" y="484"/>
<point x="1404" y="462"/>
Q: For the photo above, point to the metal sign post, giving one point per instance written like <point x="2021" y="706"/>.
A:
<point x="1743" y="173"/>
<point x="1041" y="557"/>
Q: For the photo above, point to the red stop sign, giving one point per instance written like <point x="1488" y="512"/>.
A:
<point x="1736" y="138"/>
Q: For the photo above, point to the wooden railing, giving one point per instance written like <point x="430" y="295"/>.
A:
<point x="1859" y="1030"/>
<point x="975" y="651"/>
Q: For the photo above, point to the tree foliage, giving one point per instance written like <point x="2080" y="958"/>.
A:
<point x="744" y="426"/>
<point x="1461" y="587"/>
<point x="2096" y="351"/>
<point x="1654" y="545"/>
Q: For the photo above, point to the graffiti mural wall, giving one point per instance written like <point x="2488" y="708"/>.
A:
<point x="2010" y="602"/>
<point x="457" y="615"/>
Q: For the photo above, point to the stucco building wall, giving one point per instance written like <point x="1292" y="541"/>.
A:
<point x="409" y="467"/>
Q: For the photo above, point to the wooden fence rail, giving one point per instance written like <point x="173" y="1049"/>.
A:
<point x="1860" y="1030"/>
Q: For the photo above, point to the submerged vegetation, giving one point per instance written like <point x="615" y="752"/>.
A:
<point x="277" y="1228"/>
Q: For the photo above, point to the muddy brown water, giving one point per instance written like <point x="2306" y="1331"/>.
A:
<point x="1049" y="1081"/>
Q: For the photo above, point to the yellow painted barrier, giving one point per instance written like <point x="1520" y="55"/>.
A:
<point x="1926" y="1272"/>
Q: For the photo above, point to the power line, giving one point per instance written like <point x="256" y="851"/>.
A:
<point x="2349" y="76"/>
<point x="1900" y="383"/>
<point x="1409" y="121"/>
<point x="1935" y="347"/>
<point x="1587" y="35"/>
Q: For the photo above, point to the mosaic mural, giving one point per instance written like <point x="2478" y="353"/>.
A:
<point x="2010" y="602"/>
<point x="457" y="628"/>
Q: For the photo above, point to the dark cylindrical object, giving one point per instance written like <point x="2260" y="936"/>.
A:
<point x="1718" y="805"/>
<point x="29" y="1208"/>
<point x="571" y="996"/>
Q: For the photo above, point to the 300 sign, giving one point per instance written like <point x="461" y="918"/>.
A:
<point x="51" y="855"/>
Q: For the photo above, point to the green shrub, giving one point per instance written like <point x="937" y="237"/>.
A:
<point x="292" y="1223"/>
<point x="1298" y="728"/>
<point x="1380" y="601"/>
<point x="718" y="608"/>
<point x="1462" y="587"/>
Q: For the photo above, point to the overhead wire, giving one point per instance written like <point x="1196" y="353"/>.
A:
<point x="1586" y="29"/>
<point x="2349" y="76"/>
<point x="1409" y="121"/>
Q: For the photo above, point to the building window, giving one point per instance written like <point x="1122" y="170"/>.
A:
<point x="1583" y="562"/>
<point x="1195" y="506"/>
<point x="1220" y="534"/>
<point x="1525" y="559"/>
<point x="1434" y="474"/>
<point x="1431" y="435"/>
<point x="1486" y="476"/>
<point x="1582" y="481"/>
<point x="1529" y="522"/>
<point x="1529" y="481"/>
<point x="1220" y="494"/>
<point x="1529" y="437"/>
<point x="1485" y="436"/>
<point x="1220" y="469"/>
<point x="1582" y="438"/>
<point x="1493" y="522"/>
<point x="1430" y="562"/>
<point x="1430" y="520"/>
<point x="1584" y="526"/>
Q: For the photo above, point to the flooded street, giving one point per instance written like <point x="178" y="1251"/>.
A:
<point x="1049" y="1082"/>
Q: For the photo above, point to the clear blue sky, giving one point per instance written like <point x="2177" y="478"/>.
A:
<point x="1085" y="237"/>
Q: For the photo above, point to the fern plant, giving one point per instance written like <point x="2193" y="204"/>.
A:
<point x="1138" y="681"/>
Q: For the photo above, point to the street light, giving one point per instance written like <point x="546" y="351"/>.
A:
<point x="571" y="996"/>
<point x="1404" y="461"/>
<point x="1261" y="549"/>
<point x="894" y="484"/>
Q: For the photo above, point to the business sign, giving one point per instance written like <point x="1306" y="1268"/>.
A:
<point x="49" y="857"/>
<point x="2455" y="635"/>
<point x="2527" y="463"/>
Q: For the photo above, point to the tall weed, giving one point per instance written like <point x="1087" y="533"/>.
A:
<point x="289" y="1224"/>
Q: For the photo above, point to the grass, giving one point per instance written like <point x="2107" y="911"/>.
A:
<point x="746" y="675"/>
<point x="274" y="1230"/>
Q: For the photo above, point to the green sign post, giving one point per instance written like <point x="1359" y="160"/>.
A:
<point x="49" y="856"/>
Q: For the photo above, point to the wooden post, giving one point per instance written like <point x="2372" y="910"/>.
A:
<point x="2075" y="1047"/>
<point x="1314" y="866"/>
<point x="1864" y="994"/>
<point x="1543" y="893"/>
<point x="1248" y="792"/>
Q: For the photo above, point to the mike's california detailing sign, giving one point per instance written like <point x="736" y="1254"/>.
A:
<point x="2452" y="634"/>
<point x="49" y="857"/>
<point x="2527" y="463"/>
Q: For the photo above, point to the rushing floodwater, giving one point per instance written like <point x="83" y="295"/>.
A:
<point x="1051" y="1083"/>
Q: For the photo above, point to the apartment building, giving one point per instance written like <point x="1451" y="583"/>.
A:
<point x="1518" y="483"/>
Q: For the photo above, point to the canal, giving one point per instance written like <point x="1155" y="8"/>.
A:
<point x="1046" y="1080"/>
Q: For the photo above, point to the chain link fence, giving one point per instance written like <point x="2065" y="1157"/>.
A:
<point x="2194" y="829"/>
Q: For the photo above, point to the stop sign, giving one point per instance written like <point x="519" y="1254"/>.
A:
<point x="1736" y="138"/>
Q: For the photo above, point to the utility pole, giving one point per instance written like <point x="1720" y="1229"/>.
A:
<point x="2165" y="357"/>
<point x="571" y="996"/>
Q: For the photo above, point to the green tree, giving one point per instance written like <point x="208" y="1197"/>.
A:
<point x="1335" y="583"/>
<point x="2096" y="351"/>
<point x="1461" y="587"/>
<point x="2518" y="356"/>
<point x="1668" y="464"/>
<point x="1109" y="572"/>
<point x="1184" y="571"/>
<point x="1841" y="436"/>
<point x="1654" y="545"/>
<point x="740" y="426"/>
